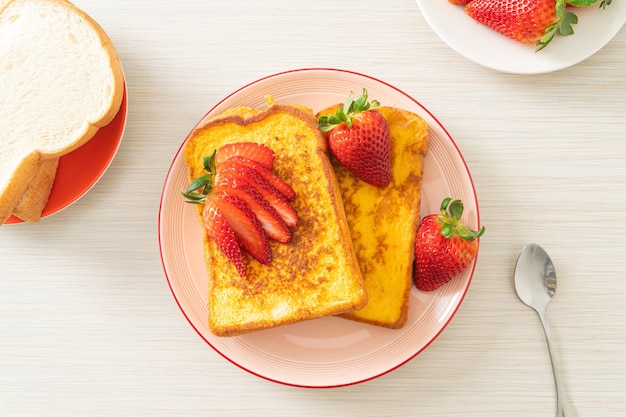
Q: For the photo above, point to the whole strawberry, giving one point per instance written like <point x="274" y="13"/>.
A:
<point x="358" y="136"/>
<point x="527" y="21"/>
<point x="444" y="246"/>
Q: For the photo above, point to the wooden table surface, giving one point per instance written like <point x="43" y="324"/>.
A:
<point x="89" y="327"/>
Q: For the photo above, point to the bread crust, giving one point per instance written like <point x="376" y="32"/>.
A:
<point x="18" y="184"/>
<point x="34" y="200"/>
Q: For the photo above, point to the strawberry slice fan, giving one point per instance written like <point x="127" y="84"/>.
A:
<point x="245" y="203"/>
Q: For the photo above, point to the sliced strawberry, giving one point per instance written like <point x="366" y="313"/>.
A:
<point x="237" y="173"/>
<point x="222" y="234"/>
<point x="250" y="150"/>
<point x="245" y="203"/>
<point x="272" y="223"/>
<point x="275" y="181"/>
<point x="246" y="226"/>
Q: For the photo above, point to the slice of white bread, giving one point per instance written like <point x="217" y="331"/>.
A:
<point x="61" y="80"/>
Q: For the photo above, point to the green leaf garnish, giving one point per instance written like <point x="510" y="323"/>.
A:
<point x="199" y="188"/>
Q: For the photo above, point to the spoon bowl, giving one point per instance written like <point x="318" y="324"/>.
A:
<point x="535" y="277"/>
<point x="535" y="283"/>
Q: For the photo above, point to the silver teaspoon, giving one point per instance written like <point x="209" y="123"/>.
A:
<point x="535" y="282"/>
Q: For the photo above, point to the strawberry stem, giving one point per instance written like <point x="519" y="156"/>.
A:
<point x="345" y="113"/>
<point x="450" y="217"/>
<point x="564" y="20"/>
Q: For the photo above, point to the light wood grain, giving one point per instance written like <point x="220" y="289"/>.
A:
<point x="88" y="326"/>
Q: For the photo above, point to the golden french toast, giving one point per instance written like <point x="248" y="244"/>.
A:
<point x="383" y="221"/>
<point x="313" y="275"/>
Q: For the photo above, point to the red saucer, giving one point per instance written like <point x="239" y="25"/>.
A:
<point x="79" y="170"/>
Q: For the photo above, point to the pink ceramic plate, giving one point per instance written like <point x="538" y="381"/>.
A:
<point x="328" y="352"/>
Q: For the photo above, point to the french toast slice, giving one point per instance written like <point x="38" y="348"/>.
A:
<point x="383" y="221"/>
<point x="314" y="275"/>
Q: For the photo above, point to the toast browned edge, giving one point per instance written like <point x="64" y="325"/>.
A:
<point x="231" y="116"/>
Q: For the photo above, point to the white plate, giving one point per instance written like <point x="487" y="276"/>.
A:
<point x="327" y="352"/>
<point x="478" y="43"/>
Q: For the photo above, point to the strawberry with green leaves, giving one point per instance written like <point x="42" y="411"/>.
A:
<point x="444" y="246"/>
<point x="358" y="137"/>
<point x="528" y="21"/>
<point x="245" y="203"/>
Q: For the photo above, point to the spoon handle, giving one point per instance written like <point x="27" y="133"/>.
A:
<point x="563" y="406"/>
